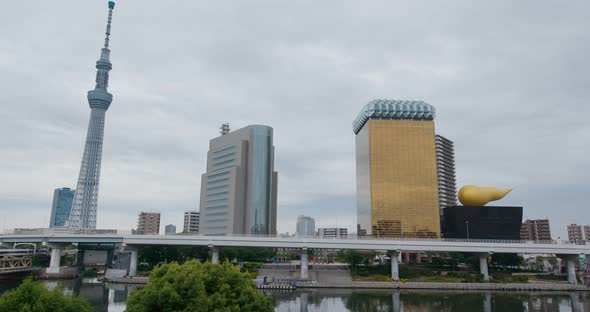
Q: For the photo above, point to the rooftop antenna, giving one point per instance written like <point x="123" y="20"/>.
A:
<point x="224" y="128"/>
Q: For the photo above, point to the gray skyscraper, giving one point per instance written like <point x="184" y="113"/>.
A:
<point x="445" y="171"/>
<point x="62" y="204"/>
<point x="239" y="189"/>
<point x="83" y="214"/>
<point x="305" y="226"/>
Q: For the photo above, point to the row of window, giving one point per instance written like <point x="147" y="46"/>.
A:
<point x="215" y="220"/>
<point x="216" y="227"/>
<point x="217" y="201"/>
<point x="224" y="156"/>
<point x="217" y="207"/>
<point x="218" y="181"/>
<point x="215" y="188"/>
<point x="218" y="194"/>
<point x="225" y="150"/>
<point x="213" y="214"/>
<point x="218" y="175"/>
<point x="223" y="163"/>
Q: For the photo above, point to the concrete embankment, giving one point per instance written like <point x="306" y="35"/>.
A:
<point x="140" y="280"/>
<point x="447" y="286"/>
<point x="338" y="276"/>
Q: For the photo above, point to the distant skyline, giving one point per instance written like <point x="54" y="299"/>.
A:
<point x="508" y="80"/>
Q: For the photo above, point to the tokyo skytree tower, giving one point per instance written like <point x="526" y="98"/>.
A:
<point x="83" y="213"/>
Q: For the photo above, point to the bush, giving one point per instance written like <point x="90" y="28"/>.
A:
<point x="251" y="266"/>
<point x="196" y="286"/>
<point x="34" y="297"/>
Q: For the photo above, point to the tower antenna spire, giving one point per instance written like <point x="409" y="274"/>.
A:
<point x="109" y="20"/>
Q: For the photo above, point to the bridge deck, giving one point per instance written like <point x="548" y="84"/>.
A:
<point x="352" y="242"/>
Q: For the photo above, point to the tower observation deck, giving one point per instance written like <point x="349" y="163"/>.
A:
<point x="83" y="213"/>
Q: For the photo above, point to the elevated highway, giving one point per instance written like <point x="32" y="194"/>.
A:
<point x="56" y="238"/>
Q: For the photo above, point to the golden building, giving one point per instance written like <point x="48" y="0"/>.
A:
<point x="397" y="186"/>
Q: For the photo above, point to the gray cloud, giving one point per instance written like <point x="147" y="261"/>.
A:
<point x="509" y="81"/>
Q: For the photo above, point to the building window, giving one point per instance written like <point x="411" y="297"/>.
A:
<point x="225" y="150"/>
<point x="221" y="187"/>
<point x="217" y="207"/>
<point x="218" y="194"/>
<point x="216" y="220"/>
<point x="223" y="163"/>
<point x="216" y="227"/>
<point x="217" y="201"/>
<point x="224" y="156"/>
<point x="213" y="214"/>
<point x="218" y="181"/>
<point x="218" y="175"/>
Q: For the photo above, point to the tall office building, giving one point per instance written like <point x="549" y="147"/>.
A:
<point x="62" y="204"/>
<point x="445" y="171"/>
<point x="587" y="232"/>
<point x="397" y="186"/>
<point x="191" y="222"/>
<point x="574" y="233"/>
<point x="148" y="223"/>
<point x="305" y="226"/>
<point x="537" y="230"/>
<point x="239" y="189"/>
<point x="83" y="214"/>
<point x="332" y="232"/>
<point x="170" y="229"/>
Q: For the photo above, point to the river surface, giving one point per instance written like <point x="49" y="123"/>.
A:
<point x="112" y="297"/>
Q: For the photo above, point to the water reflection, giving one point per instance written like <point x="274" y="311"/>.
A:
<point x="112" y="297"/>
<point x="425" y="301"/>
<point x="106" y="297"/>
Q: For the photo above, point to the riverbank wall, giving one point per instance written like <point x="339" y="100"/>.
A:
<point x="448" y="286"/>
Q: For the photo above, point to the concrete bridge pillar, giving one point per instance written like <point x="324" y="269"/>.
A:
<point x="304" y="264"/>
<point x="483" y="266"/>
<point x="571" y="269"/>
<point x="133" y="262"/>
<point x="55" y="260"/>
<point x="395" y="265"/>
<point x="214" y="255"/>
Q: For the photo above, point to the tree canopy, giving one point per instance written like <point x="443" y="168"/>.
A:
<point x="196" y="286"/>
<point x="34" y="297"/>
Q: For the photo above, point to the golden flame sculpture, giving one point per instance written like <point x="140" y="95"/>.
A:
<point x="473" y="195"/>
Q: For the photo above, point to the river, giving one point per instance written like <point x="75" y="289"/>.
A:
<point x="112" y="297"/>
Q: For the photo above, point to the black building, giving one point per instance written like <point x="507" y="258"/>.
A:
<point x="482" y="222"/>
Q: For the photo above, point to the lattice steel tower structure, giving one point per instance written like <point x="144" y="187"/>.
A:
<point x="83" y="213"/>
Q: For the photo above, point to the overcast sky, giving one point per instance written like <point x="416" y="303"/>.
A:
<point x="509" y="79"/>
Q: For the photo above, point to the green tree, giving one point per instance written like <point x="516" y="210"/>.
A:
<point x="507" y="260"/>
<point x="34" y="297"/>
<point x="196" y="286"/>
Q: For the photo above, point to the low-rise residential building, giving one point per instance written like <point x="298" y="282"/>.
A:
<point x="574" y="233"/>
<point x="148" y="223"/>
<point x="537" y="230"/>
<point x="332" y="232"/>
<point x="191" y="222"/>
